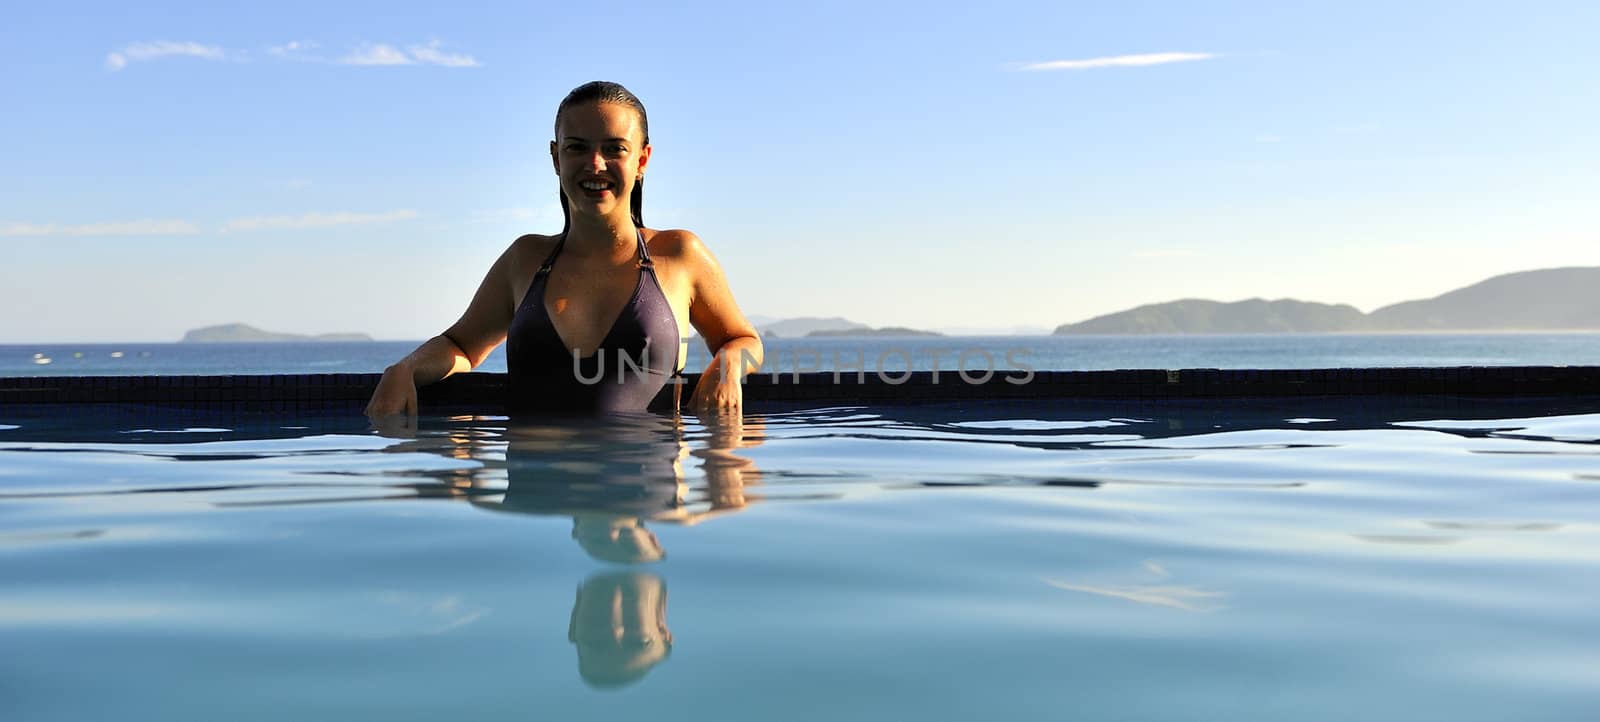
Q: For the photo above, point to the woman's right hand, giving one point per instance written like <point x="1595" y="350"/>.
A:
<point x="396" y="394"/>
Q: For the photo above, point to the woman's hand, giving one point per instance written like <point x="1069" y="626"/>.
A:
<point x="720" y="388"/>
<point x="734" y="344"/>
<point x="396" y="394"/>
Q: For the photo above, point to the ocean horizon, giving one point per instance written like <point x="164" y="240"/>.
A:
<point x="889" y="355"/>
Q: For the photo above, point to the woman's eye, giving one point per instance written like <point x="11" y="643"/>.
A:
<point x="574" y="147"/>
<point x="615" y="149"/>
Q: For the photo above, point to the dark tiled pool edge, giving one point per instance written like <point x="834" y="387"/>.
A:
<point x="486" y="390"/>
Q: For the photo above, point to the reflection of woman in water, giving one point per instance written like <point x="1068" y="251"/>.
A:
<point x="596" y="317"/>
<point x="607" y="475"/>
<point x="619" y="625"/>
<point x="611" y="477"/>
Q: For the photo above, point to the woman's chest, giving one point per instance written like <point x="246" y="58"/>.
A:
<point x="585" y="307"/>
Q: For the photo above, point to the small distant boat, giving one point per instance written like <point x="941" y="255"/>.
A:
<point x="116" y="354"/>
<point x="41" y="359"/>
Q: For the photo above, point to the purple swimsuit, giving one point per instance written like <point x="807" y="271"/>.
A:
<point x="630" y="371"/>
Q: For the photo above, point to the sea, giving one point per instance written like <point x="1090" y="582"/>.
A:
<point x="1312" y="560"/>
<point x="1309" y="559"/>
<point x="973" y="354"/>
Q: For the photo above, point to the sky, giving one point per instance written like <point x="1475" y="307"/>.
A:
<point x="357" y="166"/>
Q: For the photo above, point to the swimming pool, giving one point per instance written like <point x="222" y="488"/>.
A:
<point x="1403" y="558"/>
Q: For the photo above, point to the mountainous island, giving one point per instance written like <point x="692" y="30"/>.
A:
<point x="1553" y="299"/>
<point x="242" y="333"/>
<point x="884" y="332"/>
<point x="813" y="327"/>
<point x="803" y="326"/>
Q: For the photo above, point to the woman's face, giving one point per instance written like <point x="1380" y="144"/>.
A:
<point x="598" y="152"/>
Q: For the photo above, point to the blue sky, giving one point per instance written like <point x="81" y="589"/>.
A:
<point x="321" y="167"/>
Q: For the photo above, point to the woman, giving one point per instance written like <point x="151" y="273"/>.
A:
<point x="593" y="317"/>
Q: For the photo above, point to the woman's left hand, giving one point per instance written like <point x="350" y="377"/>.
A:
<point x="719" y="389"/>
<point x="734" y="344"/>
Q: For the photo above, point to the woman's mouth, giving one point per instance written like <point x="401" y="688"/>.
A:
<point x="596" y="187"/>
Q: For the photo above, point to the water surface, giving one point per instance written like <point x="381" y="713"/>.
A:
<point x="948" y="353"/>
<point x="1195" y="560"/>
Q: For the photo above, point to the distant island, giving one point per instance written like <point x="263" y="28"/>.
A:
<point x="885" y="332"/>
<point x="1553" y="299"/>
<point x="242" y="333"/>
<point x="805" y="326"/>
<point x="772" y="327"/>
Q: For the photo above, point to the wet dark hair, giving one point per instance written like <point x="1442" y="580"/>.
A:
<point x="601" y="91"/>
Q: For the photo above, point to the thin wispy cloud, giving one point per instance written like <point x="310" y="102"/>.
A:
<point x="174" y="227"/>
<point x="111" y="228"/>
<point x="1118" y="61"/>
<point x="302" y="51"/>
<point x="315" y="220"/>
<point x="376" y="55"/>
<point x="140" y="52"/>
<point x="294" y="50"/>
<point x="429" y="54"/>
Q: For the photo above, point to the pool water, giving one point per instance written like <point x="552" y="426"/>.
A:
<point x="1314" y="560"/>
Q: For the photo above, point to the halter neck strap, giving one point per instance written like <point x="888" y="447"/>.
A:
<point x="550" y="260"/>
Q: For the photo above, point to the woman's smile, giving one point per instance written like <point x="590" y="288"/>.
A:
<point x="598" y="189"/>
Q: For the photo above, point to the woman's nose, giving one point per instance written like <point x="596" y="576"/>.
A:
<point x="597" y="162"/>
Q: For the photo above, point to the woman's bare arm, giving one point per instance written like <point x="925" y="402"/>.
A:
<point x="462" y="347"/>
<point x="734" y="344"/>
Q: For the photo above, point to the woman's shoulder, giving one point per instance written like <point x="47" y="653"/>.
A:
<point x="531" y="248"/>
<point x="533" y="242"/>
<point x="675" y="244"/>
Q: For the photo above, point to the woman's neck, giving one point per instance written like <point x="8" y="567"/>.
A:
<point x="604" y="236"/>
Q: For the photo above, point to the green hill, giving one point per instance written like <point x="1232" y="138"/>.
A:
<point x="1551" y="299"/>
<point x="242" y="333"/>
<point x="1200" y="316"/>
<point x="1554" y="299"/>
<point x="885" y="332"/>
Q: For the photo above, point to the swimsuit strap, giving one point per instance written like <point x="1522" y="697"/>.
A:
<point x="550" y="261"/>
<point x="644" y="255"/>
